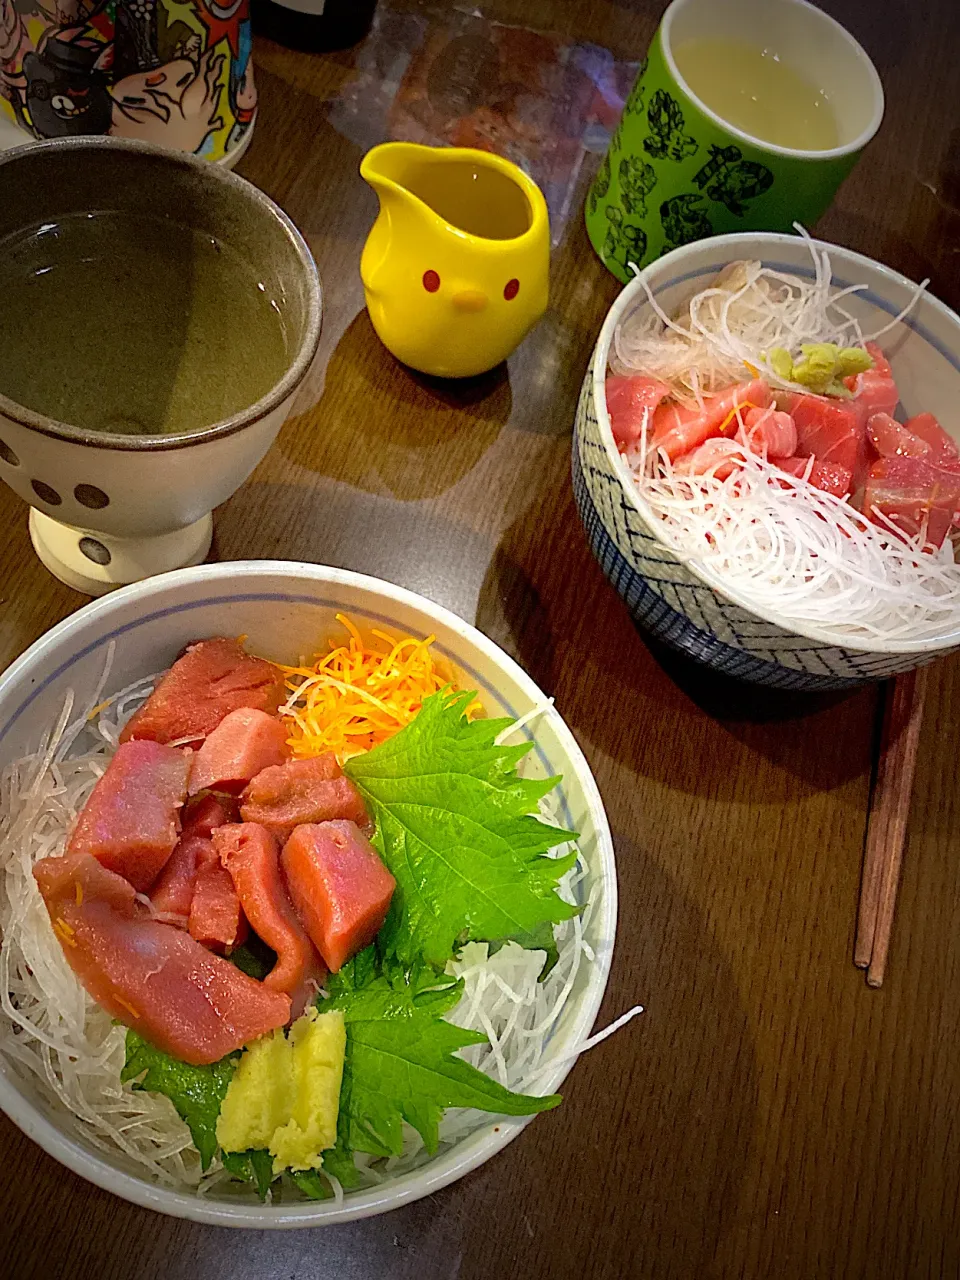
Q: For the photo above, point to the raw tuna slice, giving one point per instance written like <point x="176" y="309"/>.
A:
<point x="832" y="431"/>
<point x="131" y="821"/>
<point x="943" y="449"/>
<point x="823" y="475"/>
<point x="288" y="795"/>
<point x="916" y="497"/>
<point x="630" y="401"/>
<point x="770" y="431"/>
<point x="678" y="429"/>
<point x="719" y="456"/>
<point x="203" y="814"/>
<point x="216" y="917"/>
<point x="181" y="997"/>
<point x="243" y="744"/>
<point x="875" y="390"/>
<point x="173" y="891"/>
<point x="252" y="857"/>
<point x="892" y="439"/>
<point x="213" y="678"/>
<point x="339" y="887"/>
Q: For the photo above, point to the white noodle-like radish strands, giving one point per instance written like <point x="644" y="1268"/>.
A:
<point x="54" y="1034"/>
<point x="778" y="544"/>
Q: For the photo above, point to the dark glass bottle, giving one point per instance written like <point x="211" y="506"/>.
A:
<point x="313" y="25"/>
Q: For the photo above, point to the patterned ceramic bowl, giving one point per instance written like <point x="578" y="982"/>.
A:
<point x="677" y="600"/>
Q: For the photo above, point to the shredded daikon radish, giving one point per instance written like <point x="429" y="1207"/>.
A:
<point x="773" y="541"/>
<point x="728" y="328"/>
<point x="66" y="1047"/>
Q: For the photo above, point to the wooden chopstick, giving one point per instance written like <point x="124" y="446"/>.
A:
<point x="887" y="824"/>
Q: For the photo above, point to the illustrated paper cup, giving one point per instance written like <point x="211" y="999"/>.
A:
<point x="677" y="171"/>
<point x="176" y="74"/>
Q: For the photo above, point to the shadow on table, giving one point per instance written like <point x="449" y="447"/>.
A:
<point x="333" y="524"/>
<point x="660" y="1119"/>
<point x="546" y="601"/>
<point x="384" y="428"/>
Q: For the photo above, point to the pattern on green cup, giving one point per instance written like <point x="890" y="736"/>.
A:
<point x="684" y="220"/>
<point x="666" y="138"/>
<point x="671" y="175"/>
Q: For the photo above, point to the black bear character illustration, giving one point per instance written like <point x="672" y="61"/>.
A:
<point x="66" y="93"/>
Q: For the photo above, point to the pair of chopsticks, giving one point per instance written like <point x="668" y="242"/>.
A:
<point x="887" y="822"/>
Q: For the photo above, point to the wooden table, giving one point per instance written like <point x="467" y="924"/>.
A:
<point x="768" y="1115"/>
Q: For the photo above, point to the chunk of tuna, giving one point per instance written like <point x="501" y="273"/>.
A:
<point x="251" y="855"/>
<point x="211" y="679"/>
<point x="181" y="997"/>
<point x="288" y="795"/>
<point x="243" y="744"/>
<point x="339" y="886"/>
<point x="131" y="821"/>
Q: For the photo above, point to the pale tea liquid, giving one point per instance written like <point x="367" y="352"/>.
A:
<point x="136" y="325"/>
<point x="753" y="90"/>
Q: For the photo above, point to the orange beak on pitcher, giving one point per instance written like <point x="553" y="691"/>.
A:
<point x="470" y="300"/>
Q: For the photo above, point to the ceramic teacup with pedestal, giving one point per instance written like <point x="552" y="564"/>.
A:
<point x="115" y="502"/>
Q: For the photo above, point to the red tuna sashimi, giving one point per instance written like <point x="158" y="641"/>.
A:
<point x="288" y="795"/>
<point x="216" y="917"/>
<point x="770" y="431"/>
<point x="202" y="815"/>
<point x="916" y="497"/>
<point x="720" y="456"/>
<point x="181" y="997"/>
<point x="631" y="401"/>
<point x="823" y="475"/>
<point x="832" y="431"/>
<point x="243" y="744"/>
<point x="677" y="429"/>
<point x="875" y="390"/>
<point x="252" y="857"/>
<point x="892" y="439"/>
<point x="213" y="678"/>
<point x="943" y="450"/>
<point x="339" y="887"/>
<point x="131" y="821"/>
<point x="173" y="891"/>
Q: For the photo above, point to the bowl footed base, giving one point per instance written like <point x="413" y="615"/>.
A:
<point x="96" y="563"/>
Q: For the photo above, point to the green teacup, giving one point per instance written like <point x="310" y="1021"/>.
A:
<point x="677" y="171"/>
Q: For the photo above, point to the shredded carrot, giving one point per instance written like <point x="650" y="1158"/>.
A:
<point x="64" y="932"/>
<point x="135" y="1013"/>
<point x="79" y="888"/>
<point x="361" y="692"/>
<point x="735" y="414"/>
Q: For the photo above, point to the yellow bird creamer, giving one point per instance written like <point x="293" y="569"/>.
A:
<point x="456" y="268"/>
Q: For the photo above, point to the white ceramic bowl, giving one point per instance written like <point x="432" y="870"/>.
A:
<point x="678" y="600"/>
<point x="288" y="608"/>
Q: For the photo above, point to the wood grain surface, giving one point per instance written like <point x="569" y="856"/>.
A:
<point x="769" y="1115"/>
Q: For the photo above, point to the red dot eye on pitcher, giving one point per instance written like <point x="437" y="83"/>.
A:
<point x="431" y="281"/>
<point x="511" y="289"/>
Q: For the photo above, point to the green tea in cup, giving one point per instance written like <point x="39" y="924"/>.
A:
<point x="757" y="92"/>
<point x="746" y="115"/>
<point x="137" y="324"/>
